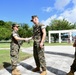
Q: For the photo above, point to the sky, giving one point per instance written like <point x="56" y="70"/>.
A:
<point x="20" y="11"/>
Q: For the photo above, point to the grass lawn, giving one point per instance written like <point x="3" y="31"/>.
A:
<point x="5" y="60"/>
<point x="26" y="44"/>
<point x="7" y="45"/>
<point x="4" y="45"/>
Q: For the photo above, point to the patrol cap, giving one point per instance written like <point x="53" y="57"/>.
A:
<point x="33" y="17"/>
<point x="15" y="25"/>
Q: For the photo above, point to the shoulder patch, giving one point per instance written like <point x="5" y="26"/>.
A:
<point x="40" y="24"/>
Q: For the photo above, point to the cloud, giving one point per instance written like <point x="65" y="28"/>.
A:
<point x="69" y="15"/>
<point x="60" y="4"/>
<point x="60" y="18"/>
<point x="47" y="9"/>
<point x="46" y="22"/>
<point x="74" y="2"/>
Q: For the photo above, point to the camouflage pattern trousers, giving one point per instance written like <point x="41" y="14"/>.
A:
<point x="14" y="54"/>
<point x="38" y="54"/>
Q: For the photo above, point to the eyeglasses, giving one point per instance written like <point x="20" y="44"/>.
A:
<point x="17" y="26"/>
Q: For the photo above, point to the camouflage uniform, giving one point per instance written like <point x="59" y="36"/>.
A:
<point x="14" y="49"/>
<point x="73" y="66"/>
<point x="37" y="51"/>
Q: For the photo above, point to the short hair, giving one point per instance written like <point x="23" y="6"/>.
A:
<point x="33" y="17"/>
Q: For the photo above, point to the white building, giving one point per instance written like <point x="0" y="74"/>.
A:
<point x="59" y="32"/>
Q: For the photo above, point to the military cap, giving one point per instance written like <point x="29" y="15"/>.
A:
<point x="33" y="17"/>
<point x="13" y="25"/>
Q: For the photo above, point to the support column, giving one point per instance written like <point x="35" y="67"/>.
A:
<point x="59" y="37"/>
<point x="49" y="38"/>
<point x="70" y="37"/>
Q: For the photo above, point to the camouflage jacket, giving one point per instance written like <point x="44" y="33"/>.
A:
<point x="37" y="32"/>
<point x="13" y="40"/>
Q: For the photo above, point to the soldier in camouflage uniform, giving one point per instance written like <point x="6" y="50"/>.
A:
<point x="39" y="34"/>
<point x="73" y="66"/>
<point x="14" y="49"/>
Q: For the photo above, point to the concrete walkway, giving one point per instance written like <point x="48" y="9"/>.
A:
<point x="58" y="60"/>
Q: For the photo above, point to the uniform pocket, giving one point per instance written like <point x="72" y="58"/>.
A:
<point x="14" y="50"/>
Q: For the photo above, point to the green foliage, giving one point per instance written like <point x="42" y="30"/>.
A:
<point x="61" y="25"/>
<point x="5" y="30"/>
<point x="47" y="29"/>
<point x="21" y="32"/>
<point x="29" y="33"/>
<point x="5" y="33"/>
<point x="2" y="23"/>
<point x="8" y="25"/>
<point x="25" y="31"/>
<point x="74" y="25"/>
<point x="25" y="26"/>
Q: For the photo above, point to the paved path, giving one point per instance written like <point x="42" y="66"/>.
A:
<point x="58" y="60"/>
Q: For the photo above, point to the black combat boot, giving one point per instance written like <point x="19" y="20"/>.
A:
<point x="36" y="69"/>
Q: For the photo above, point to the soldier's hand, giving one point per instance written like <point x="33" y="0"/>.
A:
<point x="30" y="38"/>
<point x="26" y="39"/>
<point x="41" y="45"/>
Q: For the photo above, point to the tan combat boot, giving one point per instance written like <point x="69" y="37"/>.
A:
<point x="70" y="73"/>
<point x="16" y="72"/>
<point x="43" y="73"/>
<point x="36" y="69"/>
